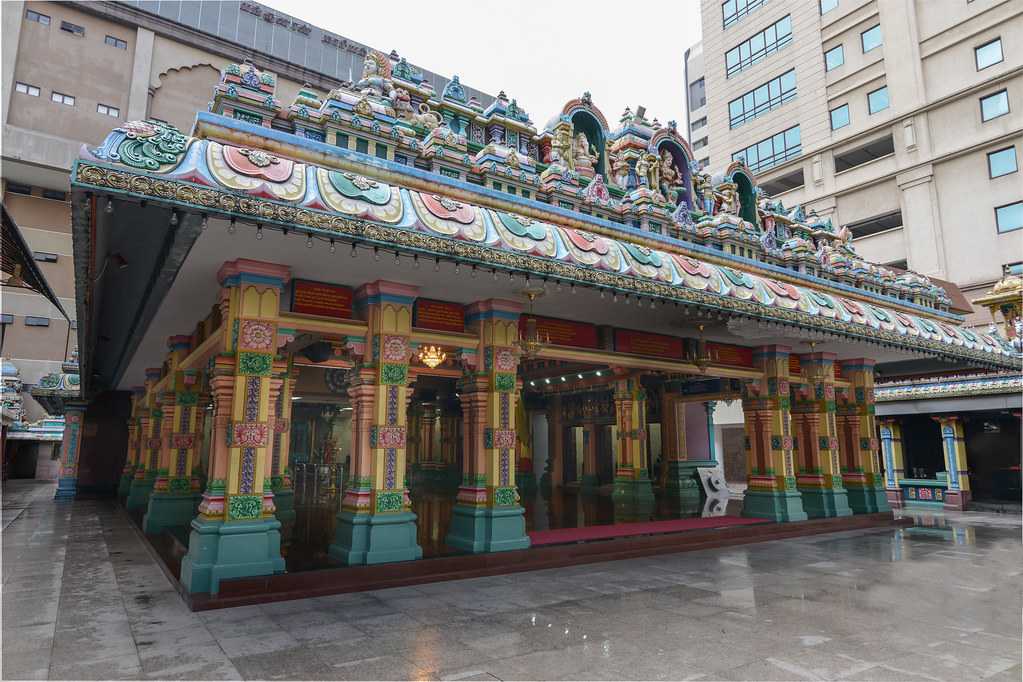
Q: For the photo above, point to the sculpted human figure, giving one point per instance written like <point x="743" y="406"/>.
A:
<point x="374" y="81"/>
<point x="653" y="172"/>
<point x="669" y="175"/>
<point x="561" y="149"/>
<point x="585" y="155"/>
<point x="643" y="170"/>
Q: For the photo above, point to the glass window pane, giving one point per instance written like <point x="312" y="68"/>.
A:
<point x="744" y="51"/>
<point x="792" y="137"/>
<point x="765" y="149"/>
<point x="871" y="38"/>
<point x="834" y="58"/>
<point x="775" y="88"/>
<point x="788" y="81"/>
<point x="1009" y="217"/>
<point x="760" y="95"/>
<point x="989" y="54"/>
<point x="784" y="26"/>
<point x="840" y="117"/>
<point x="747" y="101"/>
<point x="735" y="109"/>
<point x="994" y="105"/>
<point x="878" y="100"/>
<point x="757" y="43"/>
<point x="1002" y="162"/>
<point x="828" y="5"/>
<point x="770" y="36"/>
<point x="732" y="57"/>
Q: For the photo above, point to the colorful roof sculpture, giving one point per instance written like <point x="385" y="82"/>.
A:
<point x="620" y="210"/>
<point x="949" y="387"/>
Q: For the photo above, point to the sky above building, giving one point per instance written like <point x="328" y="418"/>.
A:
<point x="540" y="53"/>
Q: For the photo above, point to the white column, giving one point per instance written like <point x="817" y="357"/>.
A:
<point x="141" y="68"/>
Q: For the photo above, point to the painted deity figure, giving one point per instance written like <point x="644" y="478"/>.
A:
<point x="643" y="170"/>
<point x="375" y="80"/>
<point x="562" y="149"/>
<point x="701" y="185"/>
<point x="670" y="177"/>
<point x="619" y="170"/>
<point x="585" y="155"/>
<point x="729" y="198"/>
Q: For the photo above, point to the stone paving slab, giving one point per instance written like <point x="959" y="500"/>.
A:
<point x="83" y="599"/>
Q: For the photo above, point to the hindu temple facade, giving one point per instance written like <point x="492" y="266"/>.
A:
<point x="432" y="294"/>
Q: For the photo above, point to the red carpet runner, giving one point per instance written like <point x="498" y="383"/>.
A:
<point x="560" y="536"/>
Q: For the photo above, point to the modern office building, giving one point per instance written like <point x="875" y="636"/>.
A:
<point x="899" y="119"/>
<point x="132" y="61"/>
<point x="696" y="105"/>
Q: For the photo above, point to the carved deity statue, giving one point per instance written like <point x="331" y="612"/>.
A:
<point x="562" y="148"/>
<point x="704" y="192"/>
<point x="728" y="195"/>
<point x="619" y="170"/>
<point x="670" y="177"/>
<point x="375" y="79"/>
<point x="584" y="155"/>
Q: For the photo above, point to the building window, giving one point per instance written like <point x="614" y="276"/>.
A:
<point x="763" y="99"/>
<point x="18" y="188"/>
<point x="834" y="58"/>
<point x="498" y="187"/>
<point x="697" y="95"/>
<point x="840" y="117"/>
<point x="44" y="257"/>
<point x="116" y="42"/>
<point x="54" y="194"/>
<point x="1009" y="217"/>
<point x="361" y="145"/>
<point x="1002" y="162"/>
<point x="401" y="158"/>
<point x="107" y="110"/>
<point x="749" y="52"/>
<point x="988" y="54"/>
<point x="698" y="123"/>
<point x="449" y="173"/>
<point x="341" y="140"/>
<point x="1013" y="268"/>
<point x="772" y="151"/>
<point x="877" y="100"/>
<point x="871" y="38"/>
<point x="6" y="318"/>
<point x="380" y="150"/>
<point x="704" y="162"/>
<point x="37" y="321"/>
<point x="511" y="189"/>
<point x="61" y="98"/>
<point x="994" y="105"/>
<point x="733" y="10"/>
<point x="827" y="6"/>
<point x="32" y="15"/>
<point x="73" y="29"/>
<point x="700" y="144"/>
<point x="26" y="89"/>
<point x="525" y="194"/>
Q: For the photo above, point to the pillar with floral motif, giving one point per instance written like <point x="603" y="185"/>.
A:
<point x="633" y="492"/>
<point x="70" y="449"/>
<point x="131" y="461"/>
<point x="819" y="474"/>
<point x="236" y="533"/>
<point x="487" y="516"/>
<point x="376" y="523"/>
<point x="891" y="452"/>
<point x="150" y="427"/>
<point x="771" y="492"/>
<point x="280" y="473"/>
<point x="173" y="501"/>
<point x="953" y="445"/>
<point x="858" y="437"/>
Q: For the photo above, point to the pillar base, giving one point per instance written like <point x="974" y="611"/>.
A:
<point x="957" y="500"/>
<point x="781" y="505"/>
<point x="374" y="538"/>
<point x="633" y="499"/>
<point x="138" y="494"/>
<point x="284" y="501"/>
<point x="168" y="510"/>
<point x="895" y="498"/>
<point x="124" y="487"/>
<point x="682" y="486"/>
<point x="487" y="529"/>
<point x="589" y="483"/>
<point x="824" y="502"/>
<point x="67" y="488"/>
<point x="240" y="549"/>
<point x="866" y="499"/>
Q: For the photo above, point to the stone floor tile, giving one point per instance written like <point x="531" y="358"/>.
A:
<point x="117" y="668"/>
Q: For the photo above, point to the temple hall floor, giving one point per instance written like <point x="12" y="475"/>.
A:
<point x="83" y="599"/>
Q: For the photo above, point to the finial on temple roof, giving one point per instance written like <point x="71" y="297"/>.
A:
<point x="673" y="124"/>
<point x="587" y="98"/>
<point x="454" y="90"/>
<point x="626" y="115"/>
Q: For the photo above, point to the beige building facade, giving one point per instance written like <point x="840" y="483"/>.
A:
<point x="900" y="119"/>
<point x="73" y="71"/>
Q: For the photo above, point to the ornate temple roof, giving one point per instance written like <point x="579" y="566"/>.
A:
<point x="621" y="211"/>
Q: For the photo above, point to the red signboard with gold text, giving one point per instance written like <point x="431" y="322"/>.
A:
<point x="643" y="343"/>
<point x="439" y="315"/>
<point x="795" y="368"/>
<point x="318" y="298"/>
<point x="733" y="356"/>
<point x="563" y="332"/>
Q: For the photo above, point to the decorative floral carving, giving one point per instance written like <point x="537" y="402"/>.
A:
<point x="249" y="434"/>
<point x="244" y="507"/>
<point x="393" y="374"/>
<point x="255" y="364"/>
<point x="257" y="335"/>
<point x="259" y="158"/>
<point x="389" y="501"/>
<point x="395" y="348"/>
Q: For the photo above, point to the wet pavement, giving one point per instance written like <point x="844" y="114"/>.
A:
<point x="83" y="599"/>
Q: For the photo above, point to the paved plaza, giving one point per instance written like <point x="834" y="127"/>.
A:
<point x="83" y="599"/>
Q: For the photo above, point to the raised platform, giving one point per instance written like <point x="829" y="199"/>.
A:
<point x="563" y="536"/>
<point x="244" y="591"/>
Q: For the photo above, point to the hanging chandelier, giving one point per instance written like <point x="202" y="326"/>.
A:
<point x="701" y="355"/>
<point x="531" y="341"/>
<point x="432" y="356"/>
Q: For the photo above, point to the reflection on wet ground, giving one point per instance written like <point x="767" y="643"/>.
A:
<point x="305" y="543"/>
<point x="84" y="599"/>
